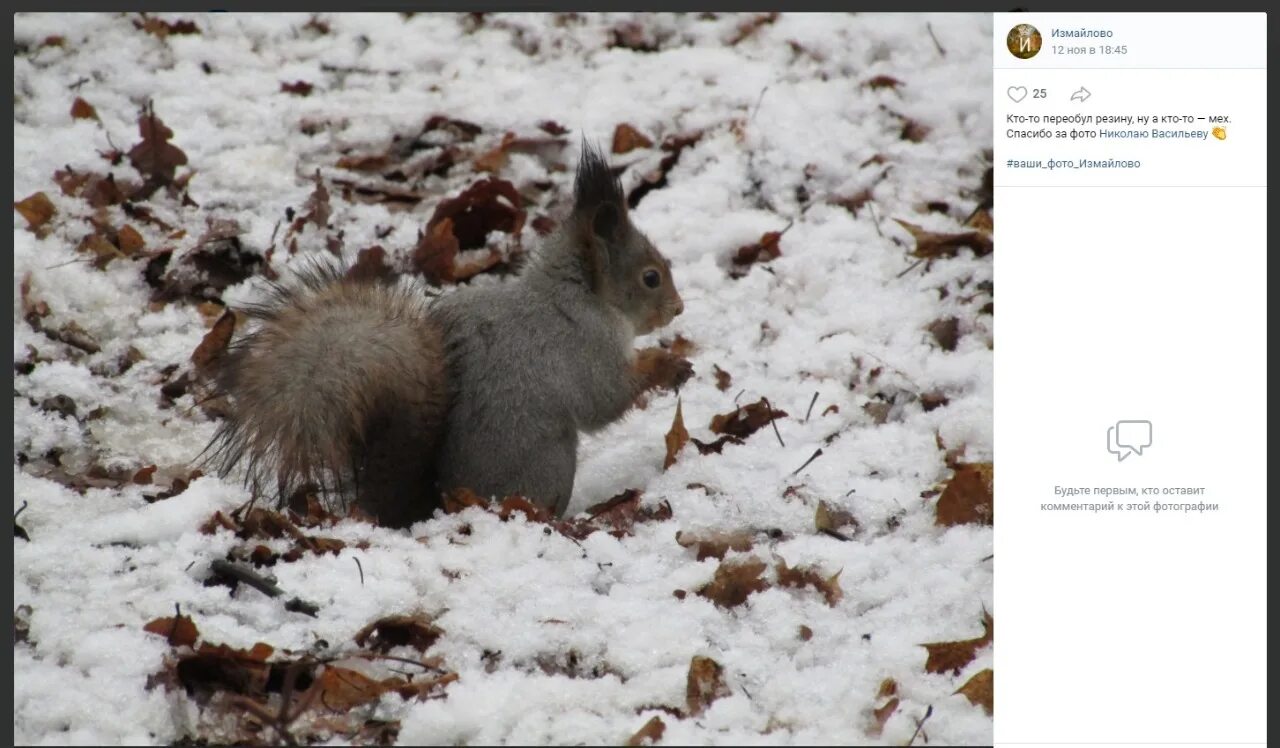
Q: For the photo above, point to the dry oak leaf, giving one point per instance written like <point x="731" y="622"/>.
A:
<point x="297" y="88"/>
<point x="155" y="157"/>
<point x="650" y="734"/>
<point x="215" y="341"/>
<point x="383" y="634"/>
<point x="808" y="576"/>
<point x="180" y="630"/>
<point x="931" y="245"/>
<point x="734" y="582"/>
<point x="746" y="420"/>
<point x="619" y="514"/>
<point x="762" y="251"/>
<point x="723" y="378"/>
<point x="831" y="520"/>
<point x="627" y="138"/>
<point x="945" y="332"/>
<point x="715" y="544"/>
<point x="81" y="109"/>
<point x="676" y="438"/>
<point x="968" y="497"/>
<point x="882" y="81"/>
<point x="953" y="656"/>
<point x="704" y="685"/>
<point x="37" y="209"/>
<point x="882" y="716"/>
<point x="980" y="690"/>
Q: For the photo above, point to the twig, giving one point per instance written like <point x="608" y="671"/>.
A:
<point x="756" y="109"/>
<point x="920" y="723"/>
<point x="21" y="509"/>
<point x="934" y="37"/>
<point x="910" y="267"/>
<point x="246" y="575"/>
<point x="735" y="397"/>
<point x="815" y="456"/>
<point x="773" y="421"/>
<point x="810" y="410"/>
<point x="177" y="614"/>
<point x="361" y="568"/>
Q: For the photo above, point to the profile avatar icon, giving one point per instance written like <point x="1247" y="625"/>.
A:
<point x="1024" y="41"/>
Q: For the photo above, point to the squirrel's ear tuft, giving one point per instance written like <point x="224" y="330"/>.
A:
<point x="595" y="184"/>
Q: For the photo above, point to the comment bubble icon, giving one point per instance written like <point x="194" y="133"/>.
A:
<point x="1128" y="437"/>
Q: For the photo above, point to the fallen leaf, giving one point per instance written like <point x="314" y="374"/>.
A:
<point x="882" y="716"/>
<point x="805" y="633"/>
<point x="808" y="576"/>
<point x="933" y="400"/>
<point x="342" y="689"/>
<point x="734" y="582"/>
<point x="676" y="438"/>
<point x="650" y="734"/>
<point x="980" y="690"/>
<point x="834" y="521"/>
<point x="627" y="138"/>
<point x="704" y="684"/>
<point x="144" y="475"/>
<point x="161" y="28"/>
<point x="552" y="127"/>
<point x="968" y="497"/>
<point x="37" y="209"/>
<point x="371" y="264"/>
<point x="762" y="251"/>
<point x="931" y="245"/>
<point x="129" y="241"/>
<point x="387" y="633"/>
<point x="620" y="513"/>
<point x="215" y="341"/>
<point x="746" y="420"/>
<point x="81" y="109"/>
<point x="155" y="157"/>
<point x="486" y="206"/>
<point x="749" y="27"/>
<point x="723" y="378"/>
<point x="715" y="447"/>
<point x="297" y="88"/>
<point x="180" y="630"/>
<point x="495" y="158"/>
<point x="715" y="544"/>
<point x="888" y="687"/>
<point x="855" y="202"/>
<point x="882" y="81"/>
<point x="945" y="332"/>
<point x="953" y="656"/>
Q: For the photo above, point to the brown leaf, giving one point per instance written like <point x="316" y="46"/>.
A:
<point x="679" y="346"/>
<point x="676" y="438"/>
<point x="882" y="716"/>
<point x="834" y="520"/>
<point x="953" y="656"/>
<point x="715" y="447"/>
<point x="436" y="253"/>
<point x="620" y="513"/>
<point x="662" y="369"/>
<point x="371" y="264"/>
<point x="384" y="634"/>
<point x="855" y="202"/>
<point x="945" y="332"/>
<point x="161" y="28"/>
<point x="552" y="127"/>
<point x="650" y="734"/>
<point x="931" y="245"/>
<point x="486" y="206"/>
<point x="933" y="400"/>
<point x="297" y="88"/>
<point x="144" y="475"/>
<point x="37" y="209"/>
<point x="914" y="131"/>
<point x="317" y="210"/>
<point x="215" y="341"/>
<point x="715" y="544"/>
<point x="342" y="689"/>
<point x="762" y="251"/>
<point x="723" y="378"/>
<point x="512" y="504"/>
<point x="888" y="687"/>
<point x="805" y="633"/>
<point x="495" y="158"/>
<point x="102" y="191"/>
<point x="180" y="630"/>
<point x="734" y="582"/>
<point x="750" y="26"/>
<point x="808" y="576"/>
<point x="461" y="499"/>
<point x="218" y="667"/>
<point x="968" y="497"/>
<point x="129" y="240"/>
<point x="155" y="157"/>
<point x="980" y="690"/>
<point x="704" y="684"/>
<point x="81" y="109"/>
<point x="627" y="138"/>
<point x="746" y="420"/>
<point x="882" y="81"/>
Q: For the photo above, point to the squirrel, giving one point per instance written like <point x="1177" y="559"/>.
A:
<point x="381" y="391"/>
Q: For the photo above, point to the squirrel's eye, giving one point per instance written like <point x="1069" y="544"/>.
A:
<point x="652" y="279"/>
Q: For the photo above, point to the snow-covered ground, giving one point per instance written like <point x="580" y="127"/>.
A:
<point x="553" y="639"/>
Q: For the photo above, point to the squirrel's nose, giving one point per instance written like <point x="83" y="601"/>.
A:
<point x="678" y="308"/>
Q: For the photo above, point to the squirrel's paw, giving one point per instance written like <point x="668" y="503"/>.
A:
<point x="660" y="368"/>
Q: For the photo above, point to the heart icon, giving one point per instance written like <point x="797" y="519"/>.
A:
<point x="1017" y="93"/>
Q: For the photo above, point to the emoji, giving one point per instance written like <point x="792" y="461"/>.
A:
<point x="1220" y="133"/>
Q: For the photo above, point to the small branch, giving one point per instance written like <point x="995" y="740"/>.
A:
<point x="934" y="37"/>
<point x="815" y="456"/>
<point x="810" y="410"/>
<point x="773" y="421"/>
<point x="361" y="568"/>
<point x="248" y="576"/>
<point x="920" y="723"/>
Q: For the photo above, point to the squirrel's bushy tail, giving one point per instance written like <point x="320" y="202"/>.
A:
<point x="342" y="385"/>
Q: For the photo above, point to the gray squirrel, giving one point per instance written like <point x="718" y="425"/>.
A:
<point x="379" y="391"/>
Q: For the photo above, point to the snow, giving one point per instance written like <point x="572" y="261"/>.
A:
<point x="785" y="107"/>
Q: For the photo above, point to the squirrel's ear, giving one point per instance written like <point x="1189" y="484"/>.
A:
<point x="596" y="187"/>
<point x="606" y="221"/>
